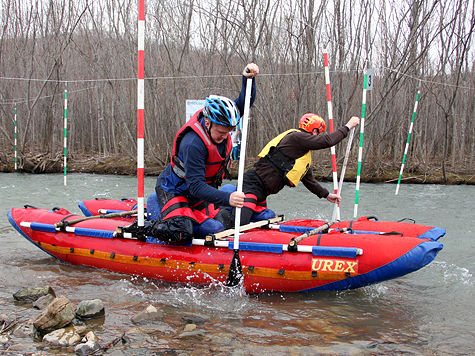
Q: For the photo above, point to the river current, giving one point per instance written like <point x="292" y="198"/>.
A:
<point x="428" y="312"/>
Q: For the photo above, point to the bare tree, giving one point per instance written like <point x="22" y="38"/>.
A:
<point x="195" y="48"/>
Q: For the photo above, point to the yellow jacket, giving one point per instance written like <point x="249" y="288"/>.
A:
<point x="300" y="166"/>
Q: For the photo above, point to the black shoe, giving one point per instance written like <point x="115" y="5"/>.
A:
<point x="225" y="217"/>
<point x="176" y="230"/>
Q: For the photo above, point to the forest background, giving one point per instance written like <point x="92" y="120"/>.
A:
<point x="194" y="48"/>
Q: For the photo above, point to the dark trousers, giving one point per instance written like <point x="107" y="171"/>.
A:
<point x="251" y="184"/>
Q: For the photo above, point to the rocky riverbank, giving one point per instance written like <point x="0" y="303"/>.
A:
<point x="56" y="325"/>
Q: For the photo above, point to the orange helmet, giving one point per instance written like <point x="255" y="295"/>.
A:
<point x="310" y="121"/>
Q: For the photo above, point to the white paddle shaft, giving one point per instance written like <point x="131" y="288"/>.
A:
<point x="242" y="158"/>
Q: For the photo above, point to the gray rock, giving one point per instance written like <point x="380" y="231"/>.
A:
<point x="196" y="332"/>
<point x="42" y="302"/>
<point x="62" y="337"/>
<point x="88" y="309"/>
<point x="59" y="313"/>
<point x="155" y="327"/>
<point x="149" y="314"/>
<point x="193" y="319"/>
<point x="29" y="295"/>
<point x="87" y="348"/>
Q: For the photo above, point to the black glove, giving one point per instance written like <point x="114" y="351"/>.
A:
<point x="139" y="232"/>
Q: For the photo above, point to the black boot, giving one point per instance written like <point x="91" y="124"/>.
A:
<point x="175" y="230"/>
<point x="225" y="217"/>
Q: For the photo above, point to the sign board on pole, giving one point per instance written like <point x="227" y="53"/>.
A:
<point x="193" y="106"/>
<point x="370" y="73"/>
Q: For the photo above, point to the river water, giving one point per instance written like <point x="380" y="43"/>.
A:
<point x="429" y="312"/>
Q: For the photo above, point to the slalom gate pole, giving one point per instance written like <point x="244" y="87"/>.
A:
<point x="408" y="139"/>
<point x="65" y="163"/>
<point x="140" y="112"/>
<point x="330" y="122"/>
<point x="15" y="142"/>
<point x="360" y="150"/>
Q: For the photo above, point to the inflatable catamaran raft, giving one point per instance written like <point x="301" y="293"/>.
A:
<point x="302" y="255"/>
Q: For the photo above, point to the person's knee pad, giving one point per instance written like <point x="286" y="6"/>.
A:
<point x="153" y="207"/>
<point x="228" y="188"/>
<point x="263" y="215"/>
<point x="209" y="226"/>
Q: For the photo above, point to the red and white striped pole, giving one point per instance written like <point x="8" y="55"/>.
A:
<point x="16" y="154"/>
<point x="140" y="112"/>
<point x="65" y="142"/>
<point x="336" y="212"/>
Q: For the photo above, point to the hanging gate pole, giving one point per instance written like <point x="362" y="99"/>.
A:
<point x="336" y="209"/>
<point x="360" y="150"/>
<point x="140" y="112"/>
<point x="65" y="163"/>
<point x="408" y="139"/>
<point x="16" y="151"/>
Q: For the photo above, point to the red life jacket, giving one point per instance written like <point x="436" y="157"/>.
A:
<point x="215" y="164"/>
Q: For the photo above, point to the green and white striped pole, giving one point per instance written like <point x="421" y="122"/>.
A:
<point x="408" y="139"/>
<point x="16" y="154"/>
<point x="360" y="150"/>
<point x="65" y="134"/>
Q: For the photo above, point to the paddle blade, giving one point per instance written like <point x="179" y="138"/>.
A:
<point x="235" y="271"/>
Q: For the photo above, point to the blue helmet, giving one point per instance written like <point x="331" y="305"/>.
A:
<point x="221" y="111"/>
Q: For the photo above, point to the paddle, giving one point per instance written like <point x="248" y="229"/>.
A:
<point x="250" y="226"/>
<point x="295" y="240"/>
<point x="343" y="171"/>
<point x="111" y="215"/>
<point x="235" y="268"/>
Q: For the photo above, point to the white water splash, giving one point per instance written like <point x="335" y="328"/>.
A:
<point x="215" y="297"/>
<point x="452" y="272"/>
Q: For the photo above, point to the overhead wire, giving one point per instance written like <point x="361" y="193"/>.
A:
<point x="189" y="77"/>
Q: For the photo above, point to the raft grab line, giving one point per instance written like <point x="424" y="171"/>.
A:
<point x="348" y="252"/>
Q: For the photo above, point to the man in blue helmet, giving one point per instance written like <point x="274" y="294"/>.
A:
<point x="187" y="189"/>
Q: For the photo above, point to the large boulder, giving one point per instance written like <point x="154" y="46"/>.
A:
<point x="59" y="313"/>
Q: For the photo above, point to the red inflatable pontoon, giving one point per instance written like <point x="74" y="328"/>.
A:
<point x="369" y="252"/>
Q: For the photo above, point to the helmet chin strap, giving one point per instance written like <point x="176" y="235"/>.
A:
<point x="209" y="133"/>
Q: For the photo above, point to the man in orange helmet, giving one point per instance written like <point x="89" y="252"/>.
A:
<point x="286" y="160"/>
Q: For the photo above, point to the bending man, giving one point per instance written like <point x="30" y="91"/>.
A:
<point x="286" y="160"/>
<point x="187" y="188"/>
